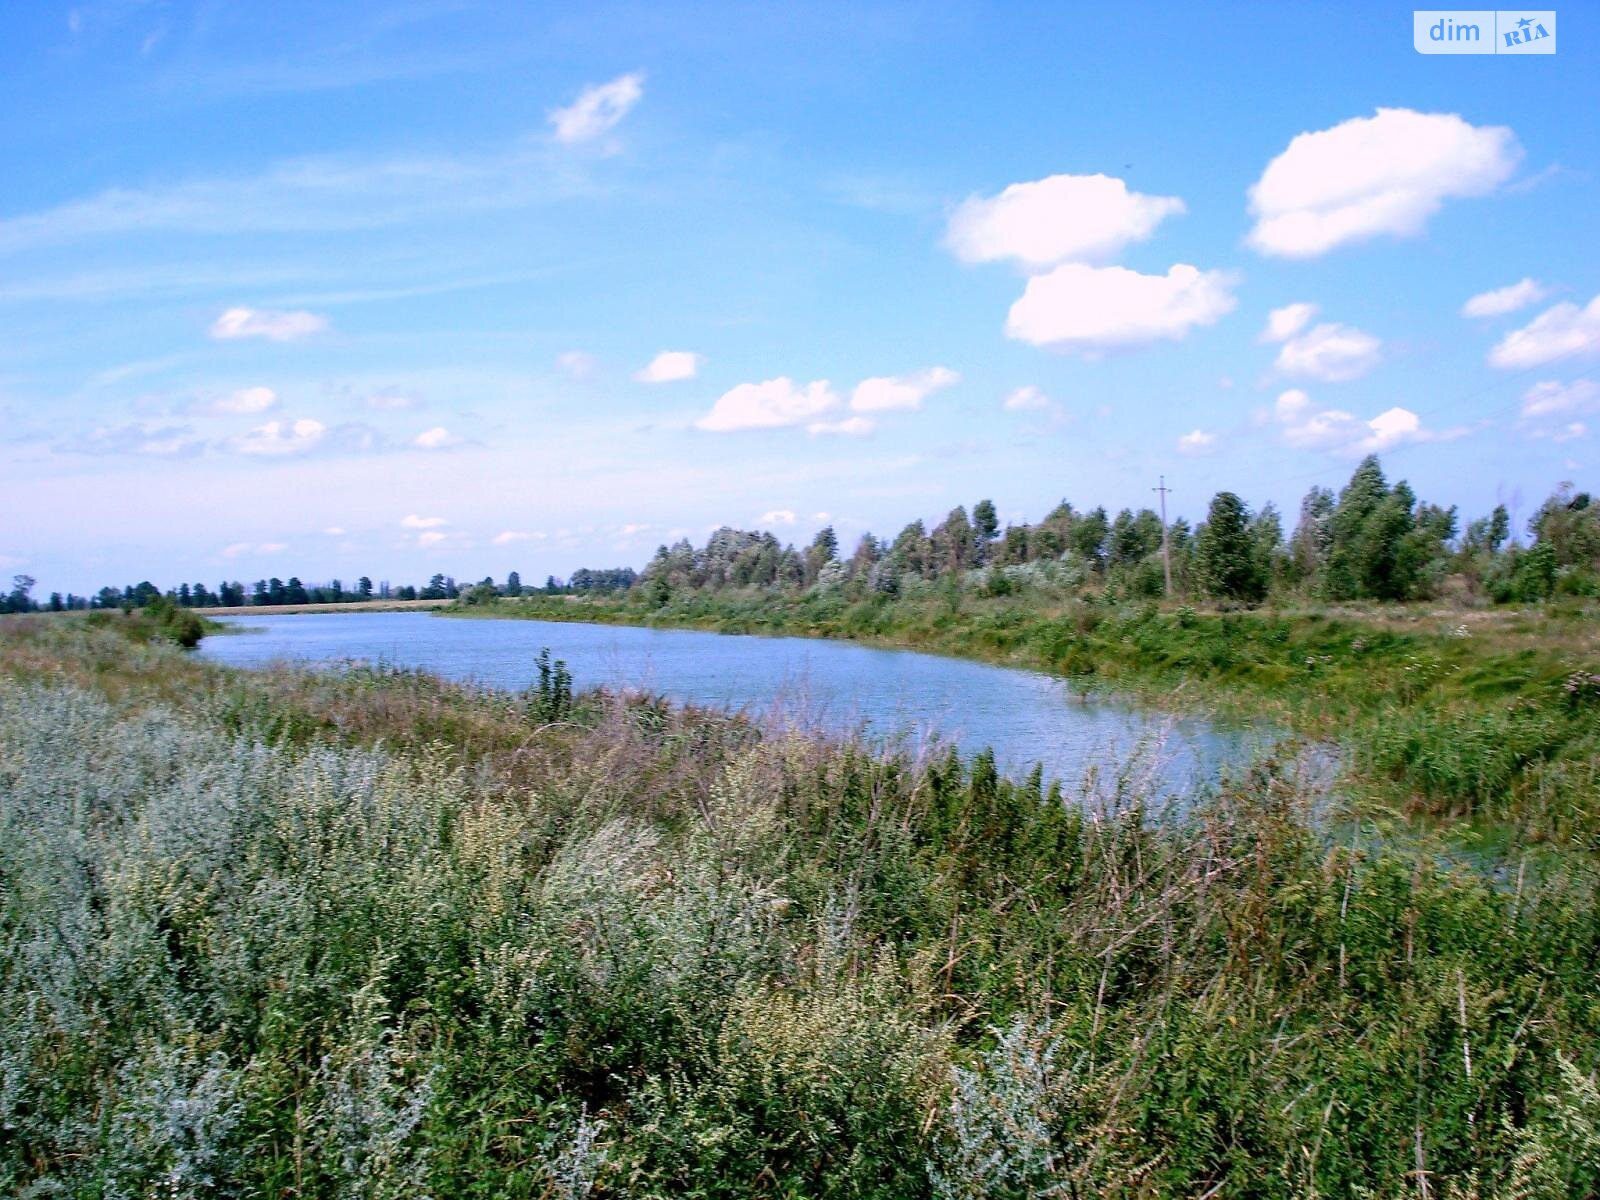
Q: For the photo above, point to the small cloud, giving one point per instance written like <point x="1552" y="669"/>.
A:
<point x="142" y="438"/>
<point x="670" y="366"/>
<point x="1283" y="323"/>
<point x="630" y="530"/>
<point x="1504" y="300"/>
<point x="278" y="439"/>
<point x="510" y="537"/>
<point x="240" y="549"/>
<point x="576" y="363"/>
<point x="1386" y="174"/>
<point x="884" y="393"/>
<point x="1330" y="352"/>
<point x="1551" y="398"/>
<point x="1549" y="408"/>
<point x="1559" y="332"/>
<point x="437" y="438"/>
<point x="238" y="323"/>
<point x="848" y="427"/>
<point x="1027" y="399"/>
<point x="598" y="109"/>
<point x="1064" y="218"/>
<point x="242" y="402"/>
<point x="391" y="402"/>
<point x="334" y="531"/>
<point x="772" y="404"/>
<point x="413" y="521"/>
<point x="1096" y="309"/>
<point x="1197" y="441"/>
<point x="430" y="539"/>
<point x="776" y="516"/>
<point x="1338" y="432"/>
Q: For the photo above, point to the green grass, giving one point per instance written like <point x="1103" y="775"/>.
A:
<point x="366" y="933"/>
<point x="1445" y="715"/>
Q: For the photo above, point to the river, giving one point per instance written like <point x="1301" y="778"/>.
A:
<point x="909" y="700"/>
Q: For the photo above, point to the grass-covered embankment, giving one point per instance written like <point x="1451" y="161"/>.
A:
<point x="369" y="934"/>
<point x="1493" y="715"/>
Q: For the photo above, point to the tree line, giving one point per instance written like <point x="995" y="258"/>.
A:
<point x="266" y="593"/>
<point x="1372" y="540"/>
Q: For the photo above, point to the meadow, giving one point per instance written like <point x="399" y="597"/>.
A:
<point x="364" y="933"/>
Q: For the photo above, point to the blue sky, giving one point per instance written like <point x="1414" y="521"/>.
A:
<point x="402" y="288"/>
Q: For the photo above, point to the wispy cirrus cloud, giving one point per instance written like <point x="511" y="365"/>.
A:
<point x="1562" y="331"/>
<point x="237" y="323"/>
<point x="1504" y="300"/>
<point x="598" y="109"/>
<point x="305" y="195"/>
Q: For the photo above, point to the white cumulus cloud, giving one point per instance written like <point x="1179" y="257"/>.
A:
<point x="281" y="438"/>
<point x="1059" y="219"/>
<point x="238" y="323"/>
<point x="1504" y="300"/>
<point x="669" y="366"/>
<point x="1330" y="352"/>
<point x="598" y="109"/>
<point x="511" y="536"/>
<point x="776" y="516"/>
<point x="771" y="404"/>
<point x="413" y="521"/>
<point x="1197" y="441"/>
<point x="1559" y="332"/>
<point x="1093" y="309"/>
<point x="1386" y="174"/>
<point x="883" y="393"/>
<point x="431" y="538"/>
<point x="1307" y="427"/>
<point x="1283" y="323"/>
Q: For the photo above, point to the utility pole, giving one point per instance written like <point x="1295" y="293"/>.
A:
<point x="1166" y="551"/>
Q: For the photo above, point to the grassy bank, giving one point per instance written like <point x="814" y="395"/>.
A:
<point x="370" y="934"/>
<point x="1489" y="715"/>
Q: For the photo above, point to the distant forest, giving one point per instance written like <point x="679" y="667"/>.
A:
<point x="1370" y="541"/>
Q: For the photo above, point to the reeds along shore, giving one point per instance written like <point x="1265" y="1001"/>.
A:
<point x="369" y="934"/>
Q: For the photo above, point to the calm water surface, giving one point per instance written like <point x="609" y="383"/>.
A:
<point x="895" y="696"/>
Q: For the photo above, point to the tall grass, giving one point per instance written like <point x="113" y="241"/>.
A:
<point x="369" y="934"/>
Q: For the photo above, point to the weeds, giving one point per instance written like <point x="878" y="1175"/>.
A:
<point x="365" y="933"/>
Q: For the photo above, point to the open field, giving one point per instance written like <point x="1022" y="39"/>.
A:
<point x="369" y="934"/>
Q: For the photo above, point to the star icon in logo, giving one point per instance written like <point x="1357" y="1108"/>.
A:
<point x="1524" y="23"/>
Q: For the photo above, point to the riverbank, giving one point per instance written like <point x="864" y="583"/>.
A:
<point x="1487" y="716"/>
<point x="365" y="932"/>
